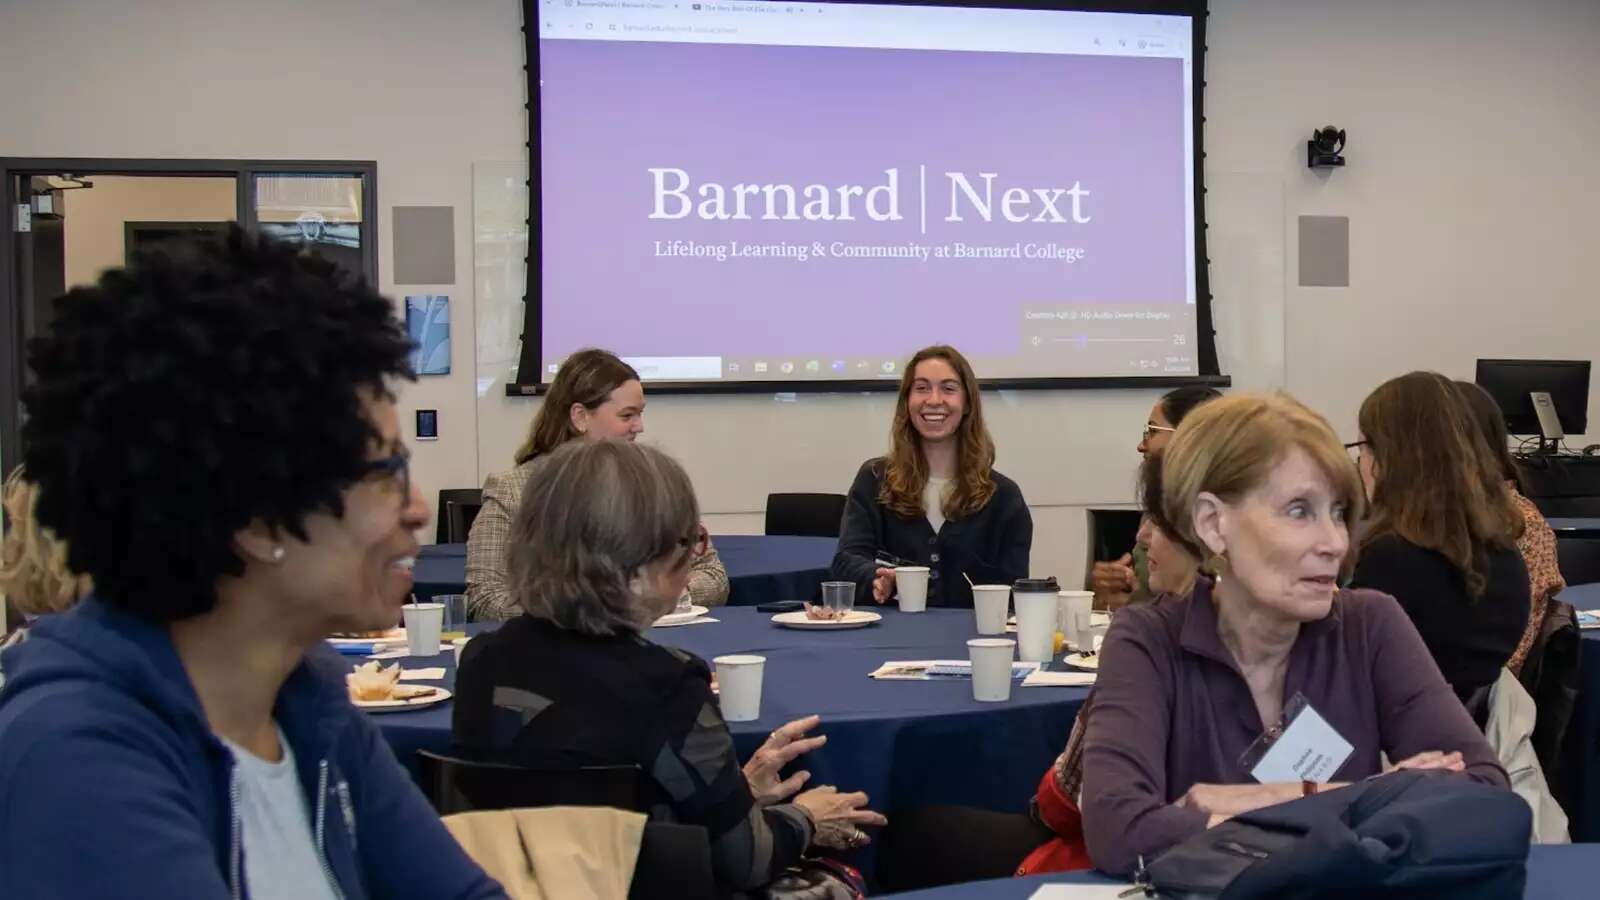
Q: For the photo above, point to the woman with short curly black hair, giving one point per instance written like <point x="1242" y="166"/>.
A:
<point x="212" y="434"/>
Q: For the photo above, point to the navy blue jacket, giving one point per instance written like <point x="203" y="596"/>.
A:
<point x="112" y="783"/>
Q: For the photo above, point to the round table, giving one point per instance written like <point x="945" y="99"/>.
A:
<point x="906" y="743"/>
<point x="1555" y="872"/>
<point x="761" y="568"/>
<point x="1575" y="527"/>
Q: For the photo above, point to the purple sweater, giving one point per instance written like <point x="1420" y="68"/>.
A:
<point x="1172" y="710"/>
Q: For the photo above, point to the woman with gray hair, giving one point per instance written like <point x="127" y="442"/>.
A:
<point x="602" y="545"/>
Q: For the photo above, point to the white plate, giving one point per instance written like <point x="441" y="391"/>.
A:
<point x="439" y="695"/>
<point x="681" y="618"/>
<point x="392" y="636"/>
<point x="1097" y="619"/>
<point x="1079" y="661"/>
<point x="855" y="618"/>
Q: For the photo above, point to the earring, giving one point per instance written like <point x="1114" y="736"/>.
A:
<point x="277" y="554"/>
<point x="1215" y="563"/>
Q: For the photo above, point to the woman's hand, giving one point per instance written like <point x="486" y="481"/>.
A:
<point x="883" y="585"/>
<point x="1433" y="759"/>
<point x="1226" y="800"/>
<point x="781" y="748"/>
<point x="1114" y="577"/>
<point x="838" y="817"/>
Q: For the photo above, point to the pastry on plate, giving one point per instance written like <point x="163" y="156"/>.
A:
<point x="373" y="681"/>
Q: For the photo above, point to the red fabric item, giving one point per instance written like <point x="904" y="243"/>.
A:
<point x="1066" y="851"/>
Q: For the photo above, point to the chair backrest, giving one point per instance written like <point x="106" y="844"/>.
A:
<point x="455" y="785"/>
<point x="805" y="515"/>
<point x="1550" y="675"/>
<point x="457" y="508"/>
<point x="1579" y="559"/>
<point x="1111" y="534"/>
<point x="1568" y="507"/>
<point x="674" y="860"/>
<point x="459" y="516"/>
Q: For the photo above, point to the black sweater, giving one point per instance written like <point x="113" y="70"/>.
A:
<point x="990" y="547"/>
<point x="533" y="694"/>
<point x="1470" y="641"/>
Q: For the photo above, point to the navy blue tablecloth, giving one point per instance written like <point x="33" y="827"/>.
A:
<point x="905" y="743"/>
<point x="1575" y="527"/>
<point x="1553" y="872"/>
<point x="761" y="568"/>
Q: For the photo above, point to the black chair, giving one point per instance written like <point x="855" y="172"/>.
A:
<point x="455" y="785"/>
<point x="674" y="860"/>
<point x="1579" y="559"/>
<point x="805" y="515"/>
<point x="457" y="508"/>
<point x="1550" y="675"/>
<point x="1568" y="507"/>
<point x="1111" y="534"/>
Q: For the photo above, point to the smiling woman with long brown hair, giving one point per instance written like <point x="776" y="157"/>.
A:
<point x="935" y="500"/>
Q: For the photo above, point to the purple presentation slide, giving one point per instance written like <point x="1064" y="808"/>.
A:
<point x="818" y="212"/>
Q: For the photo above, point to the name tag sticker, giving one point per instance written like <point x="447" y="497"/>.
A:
<point x="1307" y="749"/>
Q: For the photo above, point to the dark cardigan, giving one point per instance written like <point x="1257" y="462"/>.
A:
<point x="990" y="547"/>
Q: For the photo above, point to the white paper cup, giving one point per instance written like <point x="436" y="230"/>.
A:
<point x="424" y="621"/>
<point x="739" y="686"/>
<point x="1075" y="609"/>
<point x="991" y="668"/>
<point x="991" y="603"/>
<point x="1036" y="625"/>
<point x="911" y="584"/>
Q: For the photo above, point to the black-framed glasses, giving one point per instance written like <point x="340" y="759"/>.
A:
<point x="1354" y="449"/>
<point x="397" y="466"/>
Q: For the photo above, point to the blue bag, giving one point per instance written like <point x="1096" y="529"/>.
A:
<point x="1417" y="835"/>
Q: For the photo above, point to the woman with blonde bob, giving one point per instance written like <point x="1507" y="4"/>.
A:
<point x="936" y="499"/>
<point x="595" y="396"/>
<point x="1259" y="487"/>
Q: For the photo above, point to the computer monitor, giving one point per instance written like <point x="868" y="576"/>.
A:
<point x="1511" y="381"/>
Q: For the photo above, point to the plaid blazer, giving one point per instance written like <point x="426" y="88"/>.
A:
<point x="488" y="594"/>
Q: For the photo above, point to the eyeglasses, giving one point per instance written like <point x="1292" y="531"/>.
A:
<point x="697" y="543"/>
<point x="396" y="466"/>
<point x="1151" y="428"/>
<point x="1354" y="449"/>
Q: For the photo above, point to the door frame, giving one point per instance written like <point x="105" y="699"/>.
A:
<point x="13" y="368"/>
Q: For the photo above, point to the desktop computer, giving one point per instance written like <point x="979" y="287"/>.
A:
<point x="1545" y="397"/>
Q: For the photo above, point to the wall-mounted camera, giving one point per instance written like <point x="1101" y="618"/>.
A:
<point x="1324" y="149"/>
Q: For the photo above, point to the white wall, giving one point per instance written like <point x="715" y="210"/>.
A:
<point x="1471" y="189"/>
<point x="1472" y="181"/>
